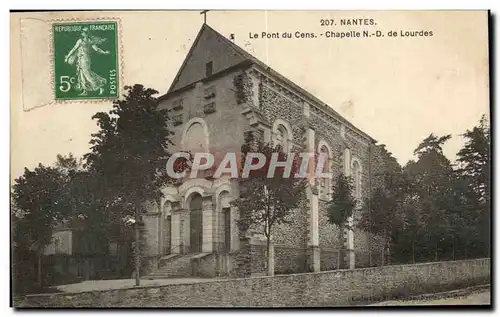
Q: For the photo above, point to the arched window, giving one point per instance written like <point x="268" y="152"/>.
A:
<point x="282" y="134"/>
<point x="195" y="223"/>
<point x="282" y="137"/>
<point x="195" y="136"/>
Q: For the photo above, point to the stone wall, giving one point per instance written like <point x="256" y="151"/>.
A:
<point x="328" y="259"/>
<point x="290" y="259"/>
<point x="274" y="105"/>
<point x="276" y="102"/>
<point x="294" y="232"/>
<point x="205" y="266"/>
<point x="271" y="101"/>
<point x="225" y="126"/>
<point x="328" y="233"/>
<point x="333" y="288"/>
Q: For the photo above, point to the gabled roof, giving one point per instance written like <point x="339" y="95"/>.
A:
<point x="247" y="57"/>
<point x="230" y="49"/>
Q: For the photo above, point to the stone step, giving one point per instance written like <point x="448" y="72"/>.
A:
<point x="166" y="276"/>
<point x="166" y="269"/>
<point x="172" y="271"/>
<point x="175" y="265"/>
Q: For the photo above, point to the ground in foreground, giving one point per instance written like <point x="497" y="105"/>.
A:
<point x="101" y="285"/>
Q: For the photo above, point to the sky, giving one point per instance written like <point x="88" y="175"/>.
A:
<point x="396" y="89"/>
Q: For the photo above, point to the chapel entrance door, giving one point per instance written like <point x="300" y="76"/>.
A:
<point x="167" y="243"/>
<point x="195" y="224"/>
<point x="227" y="229"/>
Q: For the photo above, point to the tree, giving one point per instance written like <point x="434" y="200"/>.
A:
<point x="385" y="217"/>
<point x="341" y="207"/>
<point x="474" y="167"/>
<point x="431" y="178"/>
<point x="266" y="202"/>
<point x="129" y="155"/>
<point x="38" y="199"/>
<point x="382" y="208"/>
<point x="461" y="229"/>
<point x="474" y="158"/>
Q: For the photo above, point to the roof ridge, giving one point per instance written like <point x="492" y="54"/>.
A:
<point x="184" y="62"/>
<point x="247" y="56"/>
<point x="233" y="45"/>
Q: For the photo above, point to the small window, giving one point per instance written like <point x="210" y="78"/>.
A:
<point x="208" y="69"/>
<point x="209" y="108"/>
<point x="177" y="104"/>
<point x="177" y="120"/>
<point x="209" y="92"/>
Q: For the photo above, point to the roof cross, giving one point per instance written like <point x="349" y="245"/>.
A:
<point x="204" y="12"/>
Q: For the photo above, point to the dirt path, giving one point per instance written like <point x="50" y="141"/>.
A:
<point x="101" y="285"/>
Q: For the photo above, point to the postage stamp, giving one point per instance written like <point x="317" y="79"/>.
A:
<point x="85" y="61"/>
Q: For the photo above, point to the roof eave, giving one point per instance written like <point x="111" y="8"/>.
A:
<point x="301" y="91"/>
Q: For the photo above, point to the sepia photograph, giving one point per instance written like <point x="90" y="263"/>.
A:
<point x="223" y="158"/>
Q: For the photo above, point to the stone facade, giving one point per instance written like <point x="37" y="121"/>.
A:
<point x="211" y="113"/>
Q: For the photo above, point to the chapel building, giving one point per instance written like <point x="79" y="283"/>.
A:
<point x="220" y="93"/>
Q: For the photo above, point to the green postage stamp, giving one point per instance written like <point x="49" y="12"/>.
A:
<point x="85" y="60"/>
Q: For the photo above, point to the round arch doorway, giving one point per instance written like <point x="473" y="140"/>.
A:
<point x="195" y="223"/>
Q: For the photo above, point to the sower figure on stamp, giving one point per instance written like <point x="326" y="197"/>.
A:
<point x="87" y="80"/>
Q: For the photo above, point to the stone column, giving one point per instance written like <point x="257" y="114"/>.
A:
<point x="255" y="90"/>
<point x="270" y="263"/>
<point x="350" y="245"/>
<point x="348" y="232"/>
<point x="161" y="225"/>
<point x="207" y="223"/>
<point x="235" y="232"/>
<point x="313" y="199"/>
<point x="177" y="241"/>
<point x="199" y="99"/>
<point x="314" y="239"/>
<point x="151" y="233"/>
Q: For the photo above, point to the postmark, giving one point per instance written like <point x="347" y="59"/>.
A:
<point x="85" y="60"/>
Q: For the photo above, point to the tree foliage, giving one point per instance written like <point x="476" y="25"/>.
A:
<point x="40" y="201"/>
<point x="474" y="170"/>
<point x="40" y="194"/>
<point x="343" y="203"/>
<point x="430" y="209"/>
<point x="264" y="201"/>
<point x="129" y="153"/>
<point x="124" y="170"/>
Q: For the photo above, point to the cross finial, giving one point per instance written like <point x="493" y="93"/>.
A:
<point x="204" y="12"/>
